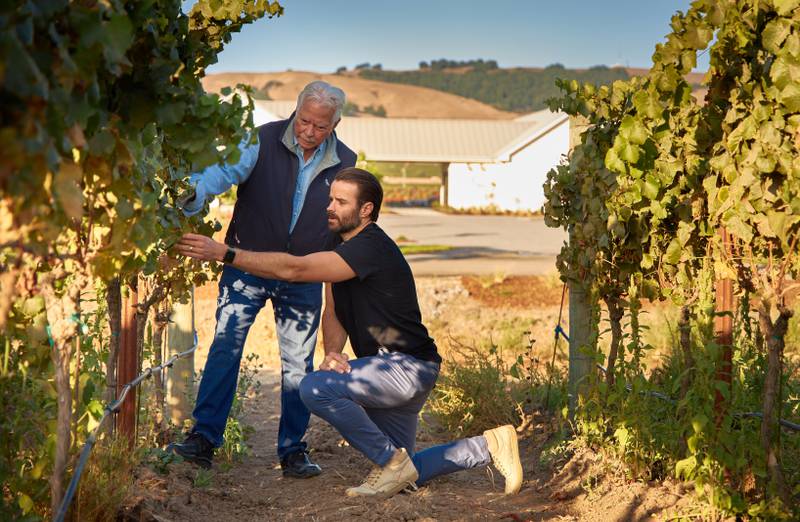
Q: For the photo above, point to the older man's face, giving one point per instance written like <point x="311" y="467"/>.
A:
<point x="313" y="123"/>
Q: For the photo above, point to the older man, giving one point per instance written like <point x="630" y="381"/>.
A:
<point x="283" y="183"/>
<point x="374" y="401"/>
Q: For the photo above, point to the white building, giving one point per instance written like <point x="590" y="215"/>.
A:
<point x="485" y="163"/>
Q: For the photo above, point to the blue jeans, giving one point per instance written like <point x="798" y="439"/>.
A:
<point x="297" y="312"/>
<point x="376" y="406"/>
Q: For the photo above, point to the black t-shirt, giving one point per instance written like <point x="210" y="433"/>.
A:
<point x="379" y="306"/>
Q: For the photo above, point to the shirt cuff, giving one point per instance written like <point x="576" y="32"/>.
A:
<point x="190" y="208"/>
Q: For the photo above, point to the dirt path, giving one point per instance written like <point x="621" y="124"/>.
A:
<point x="584" y="487"/>
<point x="254" y="488"/>
<point x="580" y="486"/>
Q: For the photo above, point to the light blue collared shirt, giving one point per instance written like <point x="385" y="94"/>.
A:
<point x="304" y="177"/>
<point x="216" y="179"/>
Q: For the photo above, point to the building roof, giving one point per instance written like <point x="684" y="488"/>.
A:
<point x="271" y="110"/>
<point x="432" y="140"/>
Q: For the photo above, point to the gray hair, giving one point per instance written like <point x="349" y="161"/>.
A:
<point x="324" y="94"/>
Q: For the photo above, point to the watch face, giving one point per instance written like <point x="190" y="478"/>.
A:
<point x="229" y="255"/>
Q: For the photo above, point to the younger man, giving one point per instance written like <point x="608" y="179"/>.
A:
<point x="374" y="400"/>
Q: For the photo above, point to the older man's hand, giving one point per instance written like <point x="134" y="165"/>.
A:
<point x="201" y="247"/>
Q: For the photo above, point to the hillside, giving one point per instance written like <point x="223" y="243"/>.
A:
<point x="398" y="100"/>
<point x="516" y="89"/>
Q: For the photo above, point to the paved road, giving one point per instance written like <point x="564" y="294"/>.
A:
<point x="482" y="244"/>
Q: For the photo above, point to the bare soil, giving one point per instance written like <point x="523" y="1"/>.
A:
<point x="584" y="487"/>
<point x="581" y="485"/>
<point x="515" y="291"/>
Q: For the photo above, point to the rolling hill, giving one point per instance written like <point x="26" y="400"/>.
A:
<point x="399" y="100"/>
<point x="460" y="91"/>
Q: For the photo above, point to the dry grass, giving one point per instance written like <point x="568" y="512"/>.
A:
<point x="400" y="101"/>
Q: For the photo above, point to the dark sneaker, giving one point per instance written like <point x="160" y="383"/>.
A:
<point x="195" y="448"/>
<point x="298" y="465"/>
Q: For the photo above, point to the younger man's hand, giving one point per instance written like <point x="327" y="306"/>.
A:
<point x="335" y="362"/>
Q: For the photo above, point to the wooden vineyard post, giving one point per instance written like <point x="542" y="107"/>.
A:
<point x="128" y="362"/>
<point x="180" y="378"/>
<point x="580" y="362"/>
<point x="723" y="330"/>
<point x="580" y="310"/>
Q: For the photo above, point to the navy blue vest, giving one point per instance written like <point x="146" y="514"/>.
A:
<point x="263" y="208"/>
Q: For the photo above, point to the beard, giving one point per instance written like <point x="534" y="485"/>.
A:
<point x="343" y="224"/>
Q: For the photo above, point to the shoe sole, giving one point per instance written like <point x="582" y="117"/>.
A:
<point x="394" y="491"/>
<point x="511" y="435"/>
<point x="197" y="461"/>
<point x="385" y="494"/>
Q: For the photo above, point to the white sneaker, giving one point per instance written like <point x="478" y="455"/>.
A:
<point x="504" y="448"/>
<point x="398" y="473"/>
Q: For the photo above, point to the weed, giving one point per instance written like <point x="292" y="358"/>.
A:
<point x="105" y="481"/>
<point x="202" y="478"/>
<point x="475" y="394"/>
<point x="487" y="281"/>
<point x="424" y="249"/>
<point x="558" y="450"/>
<point x="234" y="445"/>
<point x="159" y="459"/>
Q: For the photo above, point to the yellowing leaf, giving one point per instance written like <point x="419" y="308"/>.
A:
<point x="739" y="228"/>
<point x="25" y="503"/>
<point x="633" y="130"/>
<point x="68" y="191"/>
<point x="775" y="33"/>
<point x="651" y="187"/>
<point x="790" y="97"/>
<point x="785" y="71"/>
<point x="627" y="151"/>
<point x="699" y="422"/>
<point x="784" y="7"/>
<point x="685" y="467"/>
<point x="613" y="162"/>
<point x="673" y="254"/>
<point x="622" y="434"/>
<point x="647" y="103"/>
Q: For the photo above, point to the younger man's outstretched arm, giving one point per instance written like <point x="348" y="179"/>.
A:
<point x="320" y="267"/>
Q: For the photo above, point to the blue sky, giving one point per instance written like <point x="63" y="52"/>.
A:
<point x="317" y="35"/>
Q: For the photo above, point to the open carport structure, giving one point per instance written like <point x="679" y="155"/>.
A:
<point x="494" y="164"/>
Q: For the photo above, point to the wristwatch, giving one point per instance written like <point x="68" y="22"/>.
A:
<point x="229" y="256"/>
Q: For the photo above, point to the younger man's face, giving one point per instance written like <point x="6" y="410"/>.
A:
<point x="343" y="207"/>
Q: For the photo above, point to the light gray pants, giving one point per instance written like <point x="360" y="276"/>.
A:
<point x="376" y="406"/>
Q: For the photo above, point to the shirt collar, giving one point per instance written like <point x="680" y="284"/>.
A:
<point x="320" y="150"/>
